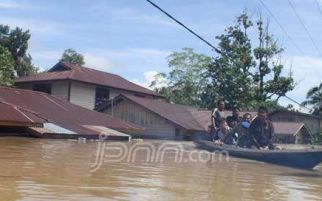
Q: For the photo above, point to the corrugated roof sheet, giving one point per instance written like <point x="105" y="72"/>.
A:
<point x="18" y="115"/>
<point x="187" y="117"/>
<point x="61" y="112"/>
<point x="287" y="128"/>
<point x="105" y="131"/>
<point x="88" y="75"/>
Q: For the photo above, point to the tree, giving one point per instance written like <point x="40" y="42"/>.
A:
<point x="16" y="41"/>
<point x="314" y="98"/>
<point x="6" y="67"/>
<point x="241" y="74"/>
<point x="276" y="85"/>
<point x="230" y="72"/>
<point x="73" y="57"/>
<point x="186" y="81"/>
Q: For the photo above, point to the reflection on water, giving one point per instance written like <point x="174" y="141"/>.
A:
<point x="37" y="169"/>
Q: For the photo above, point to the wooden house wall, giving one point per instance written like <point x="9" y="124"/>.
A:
<point x="154" y="124"/>
<point x="301" y="137"/>
<point x="60" y="89"/>
<point x="284" y="139"/>
<point x="82" y="94"/>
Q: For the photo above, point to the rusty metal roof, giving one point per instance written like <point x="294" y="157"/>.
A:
<point x="60" y="112"/>
<point x="287" y="128"/>
<point x="14" y="115"/>
<point x="184" y="116"/>
<point x="67" y="71"/>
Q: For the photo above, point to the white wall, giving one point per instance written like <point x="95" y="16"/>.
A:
<point x="60" y="89"/>
<point x="82" y="94"/>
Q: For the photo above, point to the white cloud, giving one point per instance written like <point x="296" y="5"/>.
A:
<point x="136" y="16"/>
<point x="307" y="72"/>
<point x="149" y="52"/>
<point x="9" y="5"/>
<point x="149" y="76"/>
<point x="98" y="62"/>
<point x="35" y="26"/>
<point x="47" y="55"/>
<point x="15" y="5"/>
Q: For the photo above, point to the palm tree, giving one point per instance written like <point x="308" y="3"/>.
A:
<point x="314" y="98"/>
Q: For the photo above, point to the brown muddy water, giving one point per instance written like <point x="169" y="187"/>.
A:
<point x="39" y="169"/>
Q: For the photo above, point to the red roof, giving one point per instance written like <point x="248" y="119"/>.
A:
<point x="58" y="111"/>
<point x="187" y="117"/>
<point x="67" y="71"/>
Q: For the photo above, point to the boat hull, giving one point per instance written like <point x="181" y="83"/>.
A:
<point x="304" y="159"/>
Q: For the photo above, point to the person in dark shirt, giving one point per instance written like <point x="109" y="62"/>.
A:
<point x="261" y="130"/>
<point x="234" y="119"/>
<point x="241" y="131"/>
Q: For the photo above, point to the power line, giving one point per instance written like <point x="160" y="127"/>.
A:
<point x="282" y="28"/>
<point x="184" y="26"/>
<point x="318" y="6"/>
<point x="303" y="25"/>
<point x="292" y="41"/>
<point x="209" y="44"/>
<point x="287" y="35"/>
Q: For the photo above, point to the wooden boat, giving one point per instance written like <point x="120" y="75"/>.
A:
<point x="304" y="159"/>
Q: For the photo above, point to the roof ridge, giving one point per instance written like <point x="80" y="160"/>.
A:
<point x="88" y="68"/>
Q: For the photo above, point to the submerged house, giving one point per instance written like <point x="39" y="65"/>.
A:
<point x="312" y="122"/>
<point x="159" y="118"/>
<point x="42" y="115"/>
<point x="82" y="86"/>
<point x="291" y="133"/>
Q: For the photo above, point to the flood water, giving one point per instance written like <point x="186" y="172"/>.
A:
<point x="41" y="169"/>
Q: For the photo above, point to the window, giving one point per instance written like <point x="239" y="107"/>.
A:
<point x="42" y="88"/>
<point x="101" y="96"/>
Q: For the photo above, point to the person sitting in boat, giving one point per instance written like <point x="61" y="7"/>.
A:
<point x="241" y="131"/>
<point x="218" y="114"/>
<point x="223" y="134"/>
<point x="261" y="130"/>
<point x="234" y="119"/>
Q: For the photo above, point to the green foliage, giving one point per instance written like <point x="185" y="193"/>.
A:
<point x="271" y="105"/>
<point x="241" y="74"/>
<point x="16" y="42"/>
<point x="317" y="138"/>
<point x="73" y="57"/>
<point x="230" y="72"/>
<point x="314" y="98"/>
<point x="6" y="67"/>
<point x="265" y="53"/>
<point x="186" y="81"/>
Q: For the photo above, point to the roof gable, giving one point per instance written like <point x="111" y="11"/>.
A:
<point x="187" y="117"/>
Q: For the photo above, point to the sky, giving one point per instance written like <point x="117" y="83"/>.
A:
<point x="133" y="39"/>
